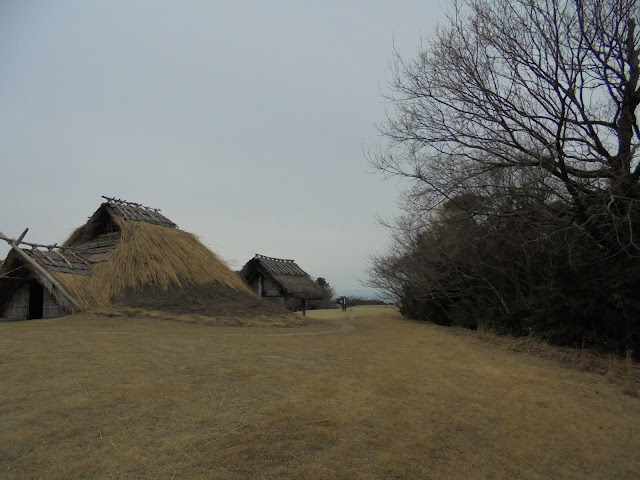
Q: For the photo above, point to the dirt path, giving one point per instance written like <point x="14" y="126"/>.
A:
<point x="345" y="327"/>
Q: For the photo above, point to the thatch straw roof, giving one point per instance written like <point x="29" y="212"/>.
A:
<point x="286" y="274"/>
<point x="124" y="246"/>
<point x="103" y="220"/>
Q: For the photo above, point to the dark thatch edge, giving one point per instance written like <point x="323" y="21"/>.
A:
<point x="261" y="321"/>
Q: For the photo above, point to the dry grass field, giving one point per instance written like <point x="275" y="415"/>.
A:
<point x="371" y="397"/>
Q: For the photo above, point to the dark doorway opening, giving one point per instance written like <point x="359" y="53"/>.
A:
<point x="36" y="298"/>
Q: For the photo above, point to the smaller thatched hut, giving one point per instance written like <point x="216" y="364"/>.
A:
<point x="279" y="280"/>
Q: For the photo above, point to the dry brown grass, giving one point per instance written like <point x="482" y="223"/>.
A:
<point x="375" y="397"/>
<point x="617" y="371"/>
<point x="149" y="255"/>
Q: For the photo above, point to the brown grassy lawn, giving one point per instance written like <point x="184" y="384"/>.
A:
<point x="98" y="397"/>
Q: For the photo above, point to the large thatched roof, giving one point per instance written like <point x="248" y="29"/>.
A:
<point x="286" y="274"/>
<point x="123" y="247"/>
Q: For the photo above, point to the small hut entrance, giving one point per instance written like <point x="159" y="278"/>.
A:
<point x="36" y="300"/>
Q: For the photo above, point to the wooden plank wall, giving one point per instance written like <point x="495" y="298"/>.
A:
<point x="17" y="306"/>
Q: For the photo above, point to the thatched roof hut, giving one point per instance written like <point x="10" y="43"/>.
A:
<point x="278" y="280"/>
<point x="123" y="247"/>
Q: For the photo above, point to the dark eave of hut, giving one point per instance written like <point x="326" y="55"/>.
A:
<point x="279" y="266"/>
<point x="132" y="212"/>
<point x="58" y="261"/>
<point x="76" y="260"/>
<point x="94" y="250"/>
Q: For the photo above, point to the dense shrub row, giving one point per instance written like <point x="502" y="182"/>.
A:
<point x="517" y="273"/>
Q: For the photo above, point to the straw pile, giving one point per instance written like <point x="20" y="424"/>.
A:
<point x="150" y="256"/>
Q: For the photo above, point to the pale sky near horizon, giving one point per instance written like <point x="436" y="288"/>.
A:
<point x="245" y="122"/>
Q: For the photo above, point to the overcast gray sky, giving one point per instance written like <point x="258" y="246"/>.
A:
<point x="243" y="121"/>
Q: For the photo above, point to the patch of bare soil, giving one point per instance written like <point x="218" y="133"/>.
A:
<point x="214" y="300"/>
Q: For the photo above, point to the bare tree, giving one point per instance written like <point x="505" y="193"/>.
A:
<point x="544" y="91"/>
<point x="515" y="128"/>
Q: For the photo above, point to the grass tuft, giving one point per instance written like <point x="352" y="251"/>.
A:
<point x="629" y="379"/>
<point x="487" y="334"/>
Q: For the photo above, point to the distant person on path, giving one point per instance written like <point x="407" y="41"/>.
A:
<point x="342" y="301"/>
